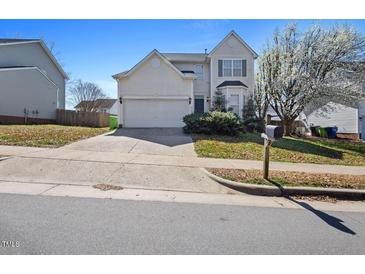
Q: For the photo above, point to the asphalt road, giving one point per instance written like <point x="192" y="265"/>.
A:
<point x="62" y="225"/>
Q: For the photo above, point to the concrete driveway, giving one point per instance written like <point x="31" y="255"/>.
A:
<point x="158" y="141"/>
<point x="126" y="157"/>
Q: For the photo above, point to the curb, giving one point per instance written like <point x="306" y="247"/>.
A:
<point x="265" y="190"/>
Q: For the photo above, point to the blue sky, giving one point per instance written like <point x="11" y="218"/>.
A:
<point x="93" y="50"/>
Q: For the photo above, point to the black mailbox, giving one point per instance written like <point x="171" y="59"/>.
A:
<point x="274" y="132"/>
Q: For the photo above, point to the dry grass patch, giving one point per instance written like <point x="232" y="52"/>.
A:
<point x="45" y="135"/>
<point x="286" y="178"/>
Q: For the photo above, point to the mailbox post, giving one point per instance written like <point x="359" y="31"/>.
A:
<point x="271" y="134"/>
<point x="267" y="144"/>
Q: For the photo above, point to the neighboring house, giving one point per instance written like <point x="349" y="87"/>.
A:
<point x="99" y="105"/>
<point x="32" y="82"/>
<point x="350" y="120"/>
<point x="164" y="87"/>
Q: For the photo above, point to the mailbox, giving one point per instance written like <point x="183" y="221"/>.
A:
<point x="274" y="132"/>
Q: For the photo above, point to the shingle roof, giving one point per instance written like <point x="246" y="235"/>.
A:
<point x="185" y="57"/>
<point x="232" y="84"/>
<point x="100" y="103"/>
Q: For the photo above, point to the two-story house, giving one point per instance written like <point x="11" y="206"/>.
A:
<point x="164" y="87"/>
<point x="32" y="82"/>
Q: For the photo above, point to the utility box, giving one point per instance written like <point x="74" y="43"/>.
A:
<point x="274" y="132"/>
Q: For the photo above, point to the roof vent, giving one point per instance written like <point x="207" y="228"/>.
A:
<point x="205" y="51"/>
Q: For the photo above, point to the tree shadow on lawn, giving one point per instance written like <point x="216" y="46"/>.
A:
<point x="307" y="148"/>
<point x="290" y="144"/>
<point x="333" y="221"/>
<point x="349" y="145"/>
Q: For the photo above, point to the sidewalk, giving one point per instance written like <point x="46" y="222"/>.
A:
<point x="176" y="161"/>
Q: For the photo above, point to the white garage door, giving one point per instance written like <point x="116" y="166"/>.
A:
<point x="154" y="113"/>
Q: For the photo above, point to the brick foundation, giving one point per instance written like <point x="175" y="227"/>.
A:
<point x="11" y="120"/>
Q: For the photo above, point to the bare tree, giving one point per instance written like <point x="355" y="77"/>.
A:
<point x="299" y="69"/>
<point x="85" y="96"/>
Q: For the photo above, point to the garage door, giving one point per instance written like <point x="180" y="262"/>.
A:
<point x="154" y="113"/>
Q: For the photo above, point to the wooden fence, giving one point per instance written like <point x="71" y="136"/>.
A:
<point x="80" y="118"/>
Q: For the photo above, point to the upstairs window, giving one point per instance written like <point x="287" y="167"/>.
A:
<point x="229" y="68"/>
<point x="199" y="72"/>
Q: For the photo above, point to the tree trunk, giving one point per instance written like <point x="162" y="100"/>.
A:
<point x="288" y="125"/>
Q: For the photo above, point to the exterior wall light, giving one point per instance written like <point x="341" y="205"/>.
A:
<point x="120" y="100"/>
<point x="189" y="100"/>
<point x="208" y="99"/>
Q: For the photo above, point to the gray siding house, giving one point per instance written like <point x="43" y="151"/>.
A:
<point x="32" y="82"/>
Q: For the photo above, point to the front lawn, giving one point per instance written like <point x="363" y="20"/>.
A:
<point x="285" y="178"/>
<point x="45" y="135"/>
<point x="249" y="146"/>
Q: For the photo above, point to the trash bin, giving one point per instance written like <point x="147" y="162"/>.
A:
<point x="322" y="132"/>
<point x="331" y="132"/>
<point x="314" y="131"/>
<point x="113" y="122"/>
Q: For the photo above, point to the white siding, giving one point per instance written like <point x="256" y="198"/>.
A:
<point x="153" y="82"/>
<point x="33" y="55"/>
<point x="343" y="117"/>
<point x="201" y="87"/>
<point x="27" y="88"/>
<point x="148" y="80"/>
<point x="232" y="49"/>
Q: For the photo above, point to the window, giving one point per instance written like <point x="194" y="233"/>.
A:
<point x="235" y="68"/>
<point x="227" y="67"/>
<point x="234" y="104"/>
<point x="199" y="71"/>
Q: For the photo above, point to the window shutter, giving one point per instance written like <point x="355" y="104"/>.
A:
<point x="244" y="68"/>
<point x="220" y="68"/>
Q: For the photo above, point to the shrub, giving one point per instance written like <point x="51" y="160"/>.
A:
<point x="250" y="120"/>
<point x="219" y="103"/>
<point x="215" y="122"/>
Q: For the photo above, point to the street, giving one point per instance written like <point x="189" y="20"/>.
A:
<point x="63" y="225"/>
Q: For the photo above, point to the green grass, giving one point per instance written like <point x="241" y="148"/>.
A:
<point x="249" y="146"/>
<point x="45" y="135"/>
<point x="285" y="178"/>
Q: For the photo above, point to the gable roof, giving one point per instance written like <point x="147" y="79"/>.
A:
<point x="233" y="33"/>
<point x="99" y="103"/>
<point x="10" y="42"/>
<point x="144" y="60"/>
<point x="186" y="57"/>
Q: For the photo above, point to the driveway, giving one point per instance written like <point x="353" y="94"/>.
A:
<point x="113" y="158"/>
<point x="157" y="141"/>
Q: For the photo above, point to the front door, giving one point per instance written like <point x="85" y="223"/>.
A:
<point x="199" y="104"/>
